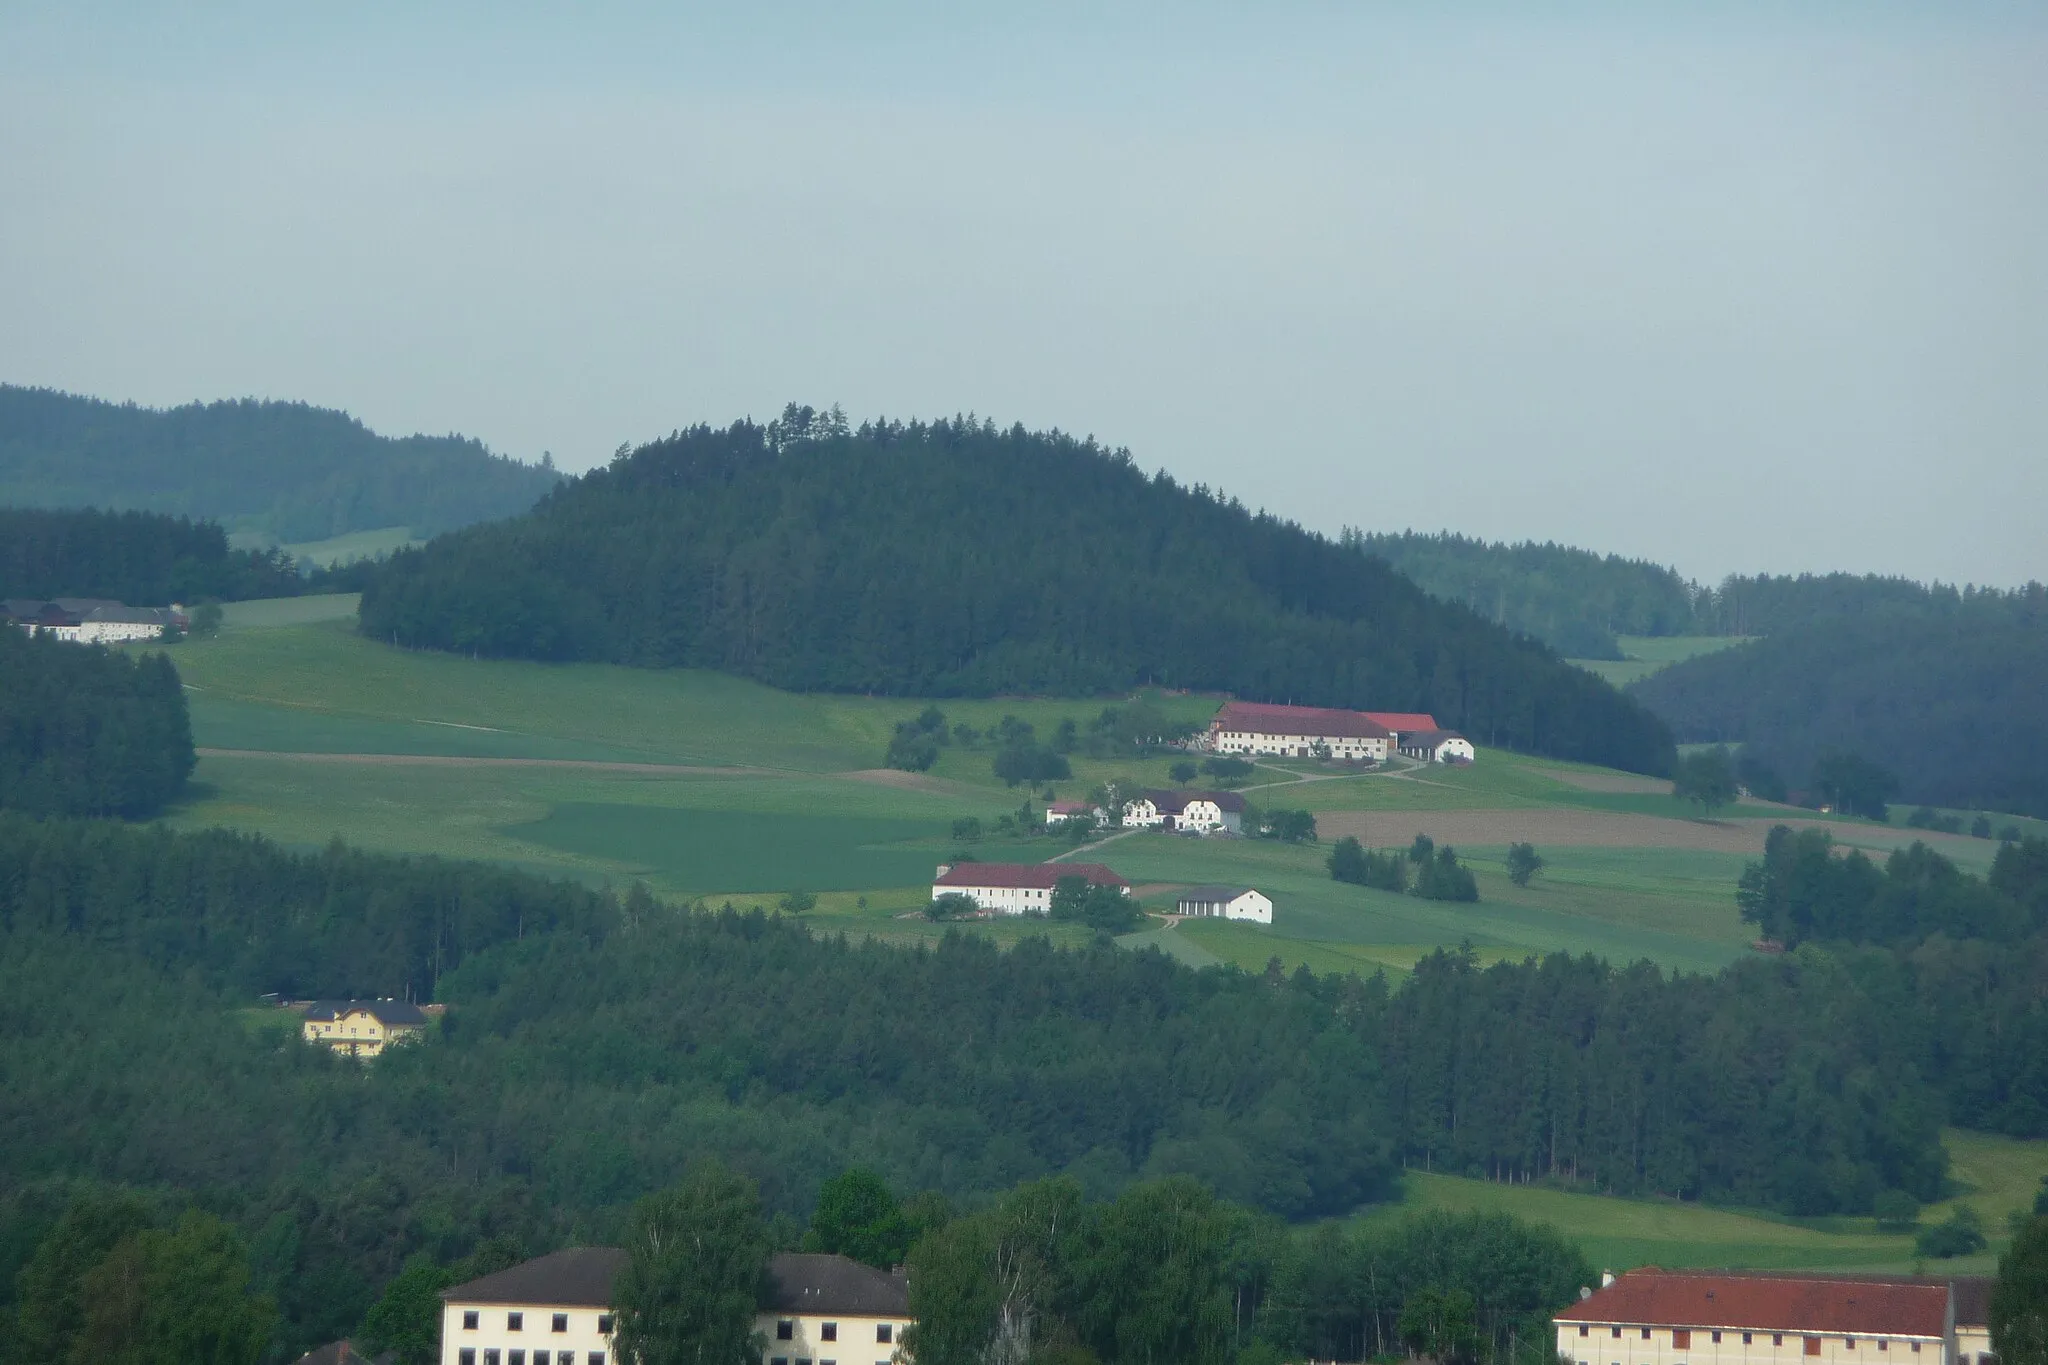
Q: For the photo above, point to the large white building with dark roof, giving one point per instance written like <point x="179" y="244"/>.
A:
<point x="1017" y="888"/>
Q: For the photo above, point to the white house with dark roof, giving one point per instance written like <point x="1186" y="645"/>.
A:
<point x="830" y="1309"/>
<point x="1225" y="902"/>
<point x="93" y="620"/>
<point x="551" y="1310"/>
<point x="1017" y="888"/>
<point x="1437" y="746"/>
<point x="1208" y="812"/>
<point x="557" y="1310"/>
<point x="1060" y="812"/>
<point x="1245" y="727"/>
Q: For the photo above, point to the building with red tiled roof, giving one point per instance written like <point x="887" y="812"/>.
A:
<point x="1250" y="727"/>
<point x="1017" y="888"/>
<point x="1401" y="722"/>
<point x="1659" y="1317"/>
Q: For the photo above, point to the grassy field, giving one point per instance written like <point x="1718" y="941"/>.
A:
<point x="1994" y="1175"/>
<point x="1643" y="655"/>
<point x="342" y="549"/>
<point x="706" y="785"/>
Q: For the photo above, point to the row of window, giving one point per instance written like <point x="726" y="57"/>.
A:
<point x="806" y="1360"/>
<point x="467" y="1356"/>
<point x="785" y="1330"/>
<point x="1681" y="1339"/>
<point x="516" y="1322"/>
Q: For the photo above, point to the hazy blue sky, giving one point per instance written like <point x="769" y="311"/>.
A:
<point x="1713" y="284"/>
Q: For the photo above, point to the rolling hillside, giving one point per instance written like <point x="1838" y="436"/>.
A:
<point x="953" y="559"/>
<point x="292" y="472"/>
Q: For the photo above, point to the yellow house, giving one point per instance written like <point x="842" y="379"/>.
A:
<point x="830" y="1309"/>
<point x="361" y="1028"/>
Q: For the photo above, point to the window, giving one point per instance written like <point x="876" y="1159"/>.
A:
<point x="490" y="1355"/>
<point x="884" y="1331"/>
<point x="1681" y="1339"/>
<point x="828" y="1331"/>
<point x="1883" y="1345"/>
<point x="1849" y="1343"/>
<point x="469" y="1319"/>
<point x="515" y="1358"/>
<point x="1813" y="1346"/>
<point x="1584" y="1329"/>
<point x="785" y="1330"/>
<point x="1745" y="1338"/>
<point x="1717" y="1338"/>
<point x="1777" y="1338"/>
<point x="466" y="1356"/>
<point x="604" y="1324"/>
<point x="1614" y="1331"/>
<point x="1916" y="1348"/>
<point x="596" y="1358"/>
<point x="515" y="1322"/>
<point x="562" y="1325"/>
<point x="779" y="1360"/>
<point x="1646" y="1334"/>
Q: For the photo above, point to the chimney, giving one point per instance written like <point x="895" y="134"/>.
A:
<point x="1606" y="1278"/>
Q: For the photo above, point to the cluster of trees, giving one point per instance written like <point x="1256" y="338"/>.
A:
<point x="885" y="559"/>
<point x="1942" y="946"/>
<point x="298" y="472"/>
<point x="1129" y="731"/>
<point x="140" y="558"/>
<point x="1948" y="698"/>
<point x="88" y="731"/>
<point x="1423" y="869"/>
<point x="1800" y="891"/>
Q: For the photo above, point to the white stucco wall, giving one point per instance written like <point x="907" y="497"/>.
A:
<point x="492" y="1341"/>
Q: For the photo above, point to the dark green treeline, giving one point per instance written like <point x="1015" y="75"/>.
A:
<point x="954" y="558"/>
<point x="140" y="558"/>
<point x="88" y="731"/>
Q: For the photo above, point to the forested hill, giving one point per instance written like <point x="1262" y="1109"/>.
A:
<point x="298" y="472"/>
<point x="141" y="558"/>
<point x="954" y="558"/>
<point x="1953" y="701"/>
<point x="1573" y="600"/>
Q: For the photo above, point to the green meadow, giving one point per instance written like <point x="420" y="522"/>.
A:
<point x="1994" y="1175"/>
<point x="703" y="785"/>
<point x="1643" y="655"/>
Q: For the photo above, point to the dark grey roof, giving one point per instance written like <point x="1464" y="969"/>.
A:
<point x="807" y="1282"/>
<point x="580" y="1277"/>
<point x="1212" y="895"/>
<point x="344" y="1353"/>
<point x="1973" y="1299"/>
<point x="388" y="1012"/>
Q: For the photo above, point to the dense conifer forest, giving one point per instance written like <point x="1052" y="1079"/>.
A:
<point x="954" y="558"/>
<point x="143" y="559"/>
<point x="1944" y="691"/>
<point x="300" y="473"/>
<point x="595" y="1043"/>
<point x="87" y="731"/>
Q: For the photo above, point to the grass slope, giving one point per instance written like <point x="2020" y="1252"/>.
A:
<point x="1995" y="1175"/>
<point x="1643" y="655"/>
<point x="741" y="790"/>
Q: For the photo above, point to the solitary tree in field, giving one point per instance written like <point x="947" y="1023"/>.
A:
<point x="1523" y="863"/>
<point x="1707" y="779"/>
<point x="1183" y="773"/>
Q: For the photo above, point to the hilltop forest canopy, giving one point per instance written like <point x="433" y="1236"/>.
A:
<point x="87" y="731"/>
<point x="299" y="473"/>
<point x="953" y="558"/>
<point x="1947" y="693"/>
<point x="141" y="558"/>
<point x="1578" y="601"/>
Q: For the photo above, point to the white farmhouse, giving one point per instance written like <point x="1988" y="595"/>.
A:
<point x="94" y="620"/>
<point x="1059" y="812"/>
<point x="1226" y="902"/>
<point x="1204" y="812"/>
<point x="1437" y="746"/>
<point x="1017" y="888"/>
<point x="1245" y="727"/>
